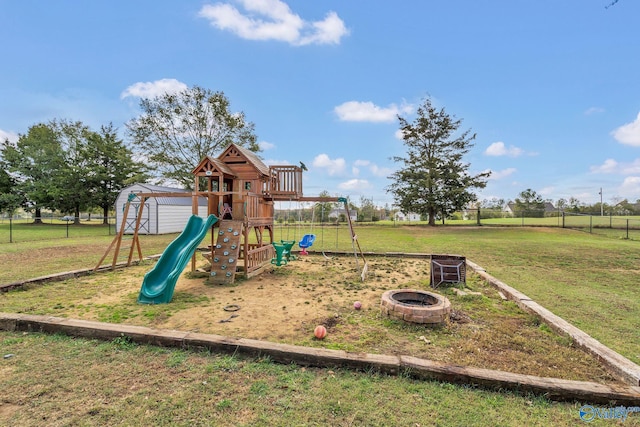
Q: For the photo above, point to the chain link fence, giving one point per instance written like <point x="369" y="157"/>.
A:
<point x="21" y="229"/>
<point x="619" y="227"/>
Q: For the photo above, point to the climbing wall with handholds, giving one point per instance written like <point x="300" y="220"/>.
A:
<point x="224" y="257"/>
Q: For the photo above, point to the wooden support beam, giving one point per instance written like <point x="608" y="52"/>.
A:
<point x="316" y="199"/>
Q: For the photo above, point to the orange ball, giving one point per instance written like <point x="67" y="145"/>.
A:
<point x="320" y="332"/>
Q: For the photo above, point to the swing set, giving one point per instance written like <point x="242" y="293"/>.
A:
<point x="240" y="192"/>
<point x="283" y="248"/>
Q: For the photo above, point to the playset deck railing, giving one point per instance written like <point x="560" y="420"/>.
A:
<point x="257" y="257"/>
<point x="285" y="183"/>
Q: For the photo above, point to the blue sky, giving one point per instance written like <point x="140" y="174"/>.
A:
<point x="551" y="88"/>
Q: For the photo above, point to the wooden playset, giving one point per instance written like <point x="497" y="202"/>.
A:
<point x="240" y="191"/>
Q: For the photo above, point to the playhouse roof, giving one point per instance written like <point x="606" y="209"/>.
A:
<point x="234" y="152"/>
<point x="209" y="163"/>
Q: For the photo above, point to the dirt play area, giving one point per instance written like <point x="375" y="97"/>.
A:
<point x="286" y="304"/>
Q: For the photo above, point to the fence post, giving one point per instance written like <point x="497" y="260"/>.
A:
<point x="11" y="229"/>
<point x="562" y="219"/>
<point x="590" y="223"/>
<point x="478" y="219"/>
<point x="627" y="228"/>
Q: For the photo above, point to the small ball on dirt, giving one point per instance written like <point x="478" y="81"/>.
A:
<point x="357" y="305"/>
<point x="320" y="332"/>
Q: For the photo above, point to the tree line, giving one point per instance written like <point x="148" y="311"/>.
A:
<point x="531" y="203"/>
<point x="66" y="166"/>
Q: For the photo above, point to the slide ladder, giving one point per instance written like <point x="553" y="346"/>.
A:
<point x="225" y="254"/>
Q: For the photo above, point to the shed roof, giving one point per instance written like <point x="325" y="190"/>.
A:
<point x="158" y="188"/>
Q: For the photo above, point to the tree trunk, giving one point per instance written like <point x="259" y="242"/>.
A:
<point x="38" y="218"/>
<point x="432" y="217"/>
<point x="76" y="218"/>
<point x="105" y="215"/>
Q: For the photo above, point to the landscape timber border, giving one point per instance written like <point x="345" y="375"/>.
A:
<point x="552" y="388"/>
<point x="622" y="368"/>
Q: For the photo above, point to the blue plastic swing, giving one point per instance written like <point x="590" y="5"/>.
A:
<point x="306" y="242"/>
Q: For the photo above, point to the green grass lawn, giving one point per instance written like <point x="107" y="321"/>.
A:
<point x="54" y="380"/>
<point x="25" y="230"/>
<point x="591" y="281"/>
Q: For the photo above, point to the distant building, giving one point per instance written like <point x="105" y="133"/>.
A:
<point x="411" y="216"/>
<point x="338" y="213"/>
<point x="160" y="214"/>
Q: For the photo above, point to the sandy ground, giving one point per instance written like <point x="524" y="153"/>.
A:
<point x="286" y="304"/>
<point x="278" y="304"/>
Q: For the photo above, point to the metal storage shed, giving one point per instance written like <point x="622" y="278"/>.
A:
<point x="161" y="215"/>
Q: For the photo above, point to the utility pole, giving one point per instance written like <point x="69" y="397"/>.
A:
<point x="601" y="205"/>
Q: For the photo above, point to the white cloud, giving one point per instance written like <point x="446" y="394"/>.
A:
<point x="333" y="166"/>
<point x="611" y="166"/>
<point x="11" y="136"/>
<point x="547" y="191"/>
<point x="631" y="185"/>
<point x="629" y="133"/>
<point x="380" y="171"/>
<point x="632" y="168"/>
<point x="593" y="110"/>
<point x="153" y="89"/>
<point x="276" y="162"/>
<point x="264" y="145"/>
<point x="372" y="167"/>
<point x="399" y="135"/>
<point x="497" y="175"/>
<point x="356" y="111"/>
<point x="499" y="149"/>
<point x="355" y="185"/>
<point x="355" y="169"/>
<point x="273" y="20"/>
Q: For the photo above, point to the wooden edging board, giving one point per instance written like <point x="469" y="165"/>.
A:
<point x="552" y="388"/>
<point x="65" y="275"/>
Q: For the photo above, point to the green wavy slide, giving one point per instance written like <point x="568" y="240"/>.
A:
<point x="159" y="283"/>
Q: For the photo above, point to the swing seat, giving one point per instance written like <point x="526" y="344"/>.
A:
<point x="281" y="254"/>
<point x="306" y="242"/>
<point x="288" y="245"/>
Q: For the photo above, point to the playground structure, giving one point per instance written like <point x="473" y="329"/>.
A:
<point x="240" y="191"/>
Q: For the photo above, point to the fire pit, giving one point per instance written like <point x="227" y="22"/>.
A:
<point x="416" y="306"/>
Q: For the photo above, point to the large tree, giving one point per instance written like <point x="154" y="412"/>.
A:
<point x="73" y="190"/>
<point x="529" y="203"/>
<point x="175" y="131"/>
<point x="433" y="178"/>
<point x="323" y="209"/>
<point x="35" y="160"/>
<point x="112" y="167"/>
<point x="10" y="197"/>
<point x="367" y="210"/>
